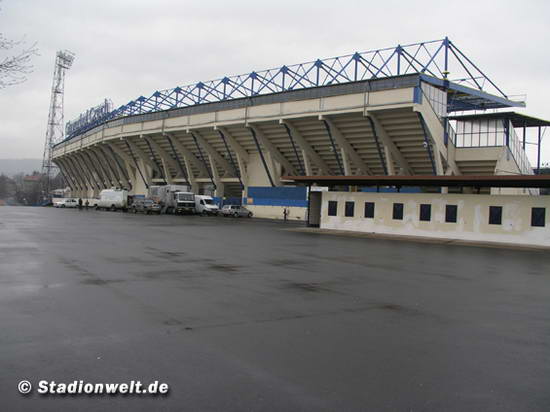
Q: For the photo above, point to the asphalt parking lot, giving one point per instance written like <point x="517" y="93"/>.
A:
<point x="245" y="315"/>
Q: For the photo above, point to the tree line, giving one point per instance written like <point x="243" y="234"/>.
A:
<point x="26" y="190"/>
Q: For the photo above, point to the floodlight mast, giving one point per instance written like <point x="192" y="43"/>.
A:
<point x="55" y="128"/>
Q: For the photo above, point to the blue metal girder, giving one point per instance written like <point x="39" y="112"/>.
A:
<point x="436" y="59"/>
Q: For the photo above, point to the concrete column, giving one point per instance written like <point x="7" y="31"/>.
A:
<point x="83" y="173"/>
<point x="216" y="177"/>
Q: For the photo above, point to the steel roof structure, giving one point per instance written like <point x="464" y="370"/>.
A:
<point x="517" y="119"/>
<point x="435" y="60"/>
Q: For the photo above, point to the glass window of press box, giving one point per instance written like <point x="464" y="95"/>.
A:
<point x="437" y="99"/>
<point x="480" y="133"/>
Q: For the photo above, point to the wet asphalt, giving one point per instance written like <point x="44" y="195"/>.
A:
<point x="245" y="315"/>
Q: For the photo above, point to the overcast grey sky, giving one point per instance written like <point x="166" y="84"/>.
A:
<point x="128" y="48"/>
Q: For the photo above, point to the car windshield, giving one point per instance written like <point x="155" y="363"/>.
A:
<point x="208" y="201"/>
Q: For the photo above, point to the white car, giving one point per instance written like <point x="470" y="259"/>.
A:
<point x="235" y="211"/>
<point x="66" y="203"/>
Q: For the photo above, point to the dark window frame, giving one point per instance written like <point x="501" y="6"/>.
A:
<point x="538" y="217"/>
<point x="332" y="203"/>
<point x="425" y="213"/>
<point x="347" y="205"/>
<point x="370" y="208"/>
<point x="495" y="215"/>
<point x="398" y="211"/>
<point x="451" y="213"/>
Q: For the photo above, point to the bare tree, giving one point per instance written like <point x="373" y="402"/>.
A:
<point x="17" y="64"/>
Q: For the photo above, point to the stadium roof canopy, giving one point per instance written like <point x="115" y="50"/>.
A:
<point x="438" y="62"/>
<point x="517" y="119"/>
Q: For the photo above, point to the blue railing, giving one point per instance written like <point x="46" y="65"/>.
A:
<point x="434" y="58"/>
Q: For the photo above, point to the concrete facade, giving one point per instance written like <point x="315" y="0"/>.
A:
<point x="388" y="126"/>
<point x="472" y="223"/>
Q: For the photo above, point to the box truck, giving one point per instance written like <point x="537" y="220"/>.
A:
<point x="113" y="199"/>
<point x="175" y="199"/>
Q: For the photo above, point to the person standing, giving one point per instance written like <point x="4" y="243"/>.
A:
<point x="285" y="213"/>
<point x="87" y="204"/>
<point x="79" y="203"/>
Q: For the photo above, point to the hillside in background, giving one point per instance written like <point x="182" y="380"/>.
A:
<point x="12" y="167"/>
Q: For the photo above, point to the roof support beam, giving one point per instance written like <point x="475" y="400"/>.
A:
<point x="386" y="159"/>
<point x="347" y="150"/>
<point x="295" y="149"/>
<point x="218" y="185"/>
<point x="213" y="154"/>
<point x="81" y="161"/>
<point x="307" y="151"/>
<point x="429" y="145"/>
<point x="237" y="148"/>
<point x="390" y="145"/>
<point x="262" y="157"/>
<point x="110" y="155"/>
<point x="112" y="165"/>
<point x="129" y="162"/>
<point x="105" y="166"/>
<point x="390" y="166"/>
<point x="73" y="183"/>
<point x="184" y="168"/>
<point x="235" y="167"/>
<point x="163" y="172"/>
<point x="79" y="173"/>
<point x="240" y="153"/>
<point x="143" y="156"/>
<point x="212" y="168"/>
<point x="189" y="158"/>
<point x="167" y="160"/>
<point x="145" y="176"/>
<point x="272" y="150"/>
<point x="95" y="169"/>
<point x="96" y="176"/>
<point x="66" y="176"/>
<point x="307" y="163"/>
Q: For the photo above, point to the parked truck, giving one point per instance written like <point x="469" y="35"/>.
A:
<point x="204" y="205"/>
<point x="113" y="199"/>
<point x="177" y="199"/>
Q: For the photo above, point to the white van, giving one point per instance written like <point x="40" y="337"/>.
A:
<point x="205" y="205"/>
<point x="113" y="199"/>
